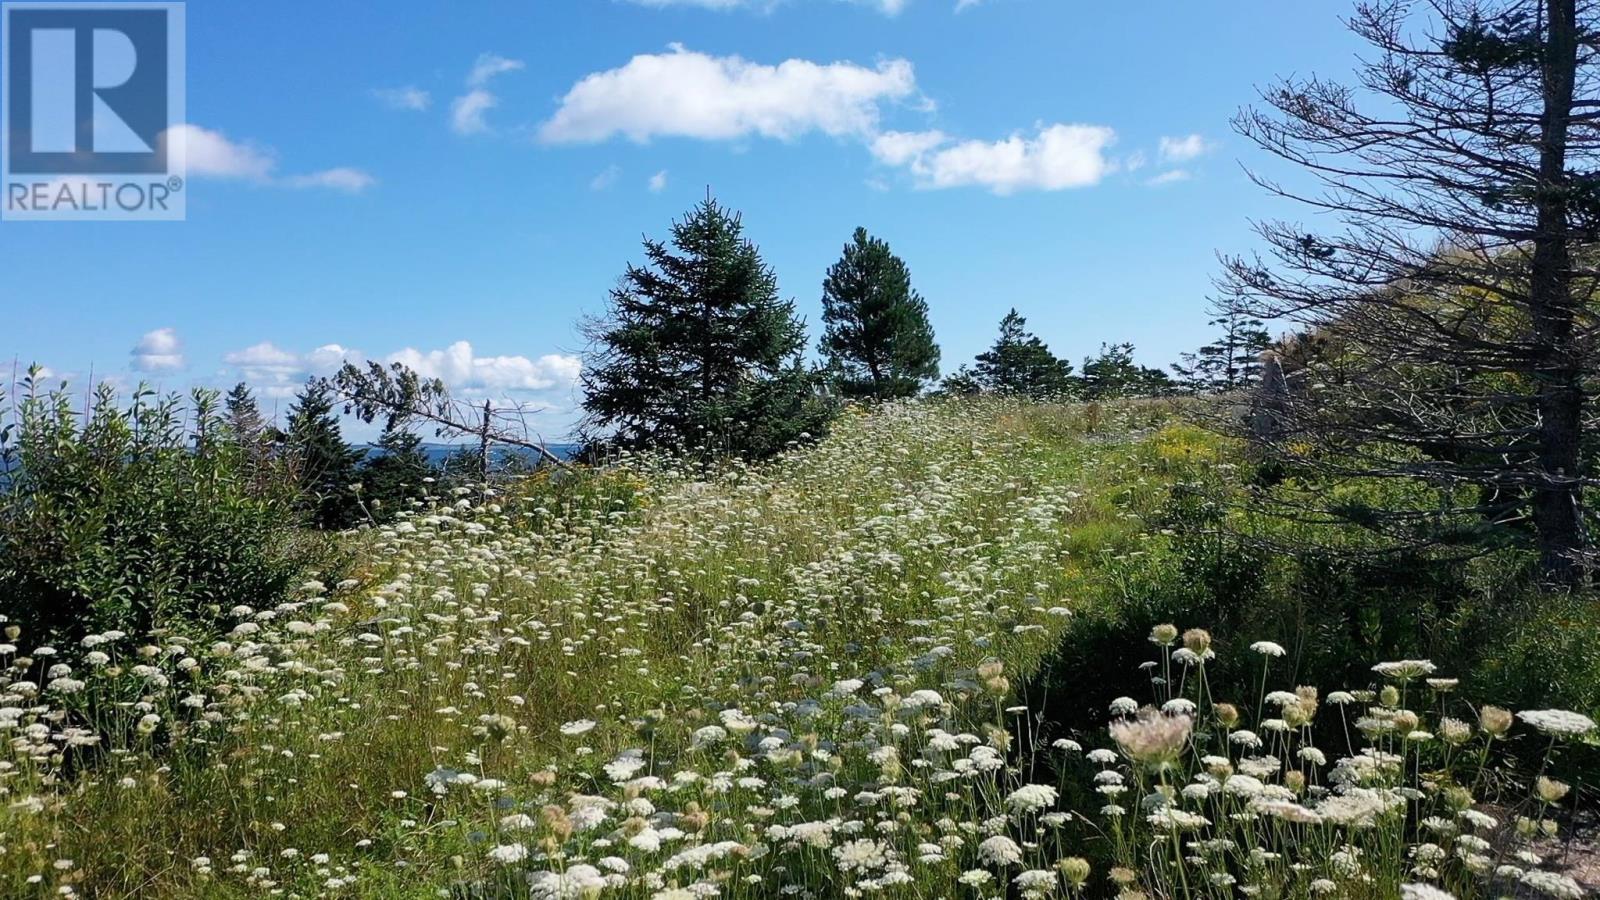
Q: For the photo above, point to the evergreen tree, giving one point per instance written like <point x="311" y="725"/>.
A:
<point x="249" y="433"/>
<point x="1114" y="374"/>
<point x="960" y="383"/>
<point x="326" y="465"/>
<point x="1233" y="360"/>
<point x="878" y="339"/>
<point x="698" y="352"/>
<point x="244" y="416"/>
<point x="395" y="475"/>
<point x="1456" y="174"/>
<point x="1020" y="363"/>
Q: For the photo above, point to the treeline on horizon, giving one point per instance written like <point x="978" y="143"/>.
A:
<point x="697" y="354"/>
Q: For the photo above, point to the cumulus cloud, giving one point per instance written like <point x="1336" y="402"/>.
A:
<point x="407" y="98"/>
<point x="683" y="93"/>
<point x="658" y="182"/>
<point x="468" y="110"/>
<point x="158" y="351"/>
<point x="278" y="371"/>
<point x="897" y="148"/>
<point x="212" y="154"/>
<point x="460" y="368"/>
<point x="1056" y="158"/>
<point x="1182" y="149"/>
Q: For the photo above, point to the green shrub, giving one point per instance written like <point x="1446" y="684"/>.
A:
<point x="139" y="519"/>
<point x="1324" y="591"/>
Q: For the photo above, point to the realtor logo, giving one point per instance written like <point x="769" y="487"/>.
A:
<point x="93" y="109"/>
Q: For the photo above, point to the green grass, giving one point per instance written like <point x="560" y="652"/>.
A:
<point x="652" y="679"/>
<point x="629" y="599"/>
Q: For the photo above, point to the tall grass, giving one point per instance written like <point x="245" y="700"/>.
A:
<point x="800" y="678"/>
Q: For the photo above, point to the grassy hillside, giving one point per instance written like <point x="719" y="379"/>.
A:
<point x="805" y="678"/>
<point x="379" y="733"/>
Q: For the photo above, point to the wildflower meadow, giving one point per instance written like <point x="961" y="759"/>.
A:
<point x="806" y="677"/>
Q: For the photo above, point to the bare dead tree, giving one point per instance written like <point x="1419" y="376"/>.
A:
<point x="1450" y="310"/>
<point x="399" y="396"/>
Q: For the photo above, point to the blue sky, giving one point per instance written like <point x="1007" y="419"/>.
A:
<point x="454" y="184"/>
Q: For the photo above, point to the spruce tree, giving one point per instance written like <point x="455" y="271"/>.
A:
<point x="878" y="339"/>
<point x="1020" y="363"/>
<point x="1233" y="360"/>
<point x="1114" y="374"/>
<point x="250" y="434"/>
<point x="697" y="351"/>
<point x="395" y="475"/>
<point x="326" y="465"/>
<point x="244" y="416"/>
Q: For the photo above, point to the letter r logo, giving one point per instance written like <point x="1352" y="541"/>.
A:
<point x="87" y="88"/>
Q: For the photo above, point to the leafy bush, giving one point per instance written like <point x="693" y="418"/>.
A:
<point x="138" y="519"/>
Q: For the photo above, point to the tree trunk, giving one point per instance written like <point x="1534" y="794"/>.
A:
<point x="483" y="444"/>
<point x="1556" y="501"/>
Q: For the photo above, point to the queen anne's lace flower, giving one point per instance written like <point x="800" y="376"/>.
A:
<point x="1558" y="722"/>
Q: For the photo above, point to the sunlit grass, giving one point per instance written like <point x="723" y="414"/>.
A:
<point x="795" y="679"/>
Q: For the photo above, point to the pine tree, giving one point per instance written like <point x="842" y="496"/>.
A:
<point x="1114" y="374"/>
<point x="1233" y="360"/>
<point x="244" y="416"/>
<point x="698" y="352"/>
<point x="1020" y="363"/>
<point x="395" y="475"/>
<point x="878" y="339"/>
<point x="249" y="434"/>
<point x="326" y="465"/>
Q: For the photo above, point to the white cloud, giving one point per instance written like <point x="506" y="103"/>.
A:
<point x="605" y="179"/>
<point x="897" y="148"/>
<point x="351" y="181"/>
<point x="268" y="365"/>
<point x="466" y="111"/>
<point x="1056" y="158"/>
<point x="658" y="182"/>
<point x="264" y="362"/>
<point x="1171" y="176"/>
<point x="212" y="154"/>
<point x="488" y="66"/>
<point x="1182" y="149"/>
<point x="966" y="4"/>
<point x="158" y="351"/>
<point x="687" y="94"/>
<point x="408" y="98"/>
<point x="458" y="366"/>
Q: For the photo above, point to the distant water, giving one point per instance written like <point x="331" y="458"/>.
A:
<point x="438" y="453"/>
